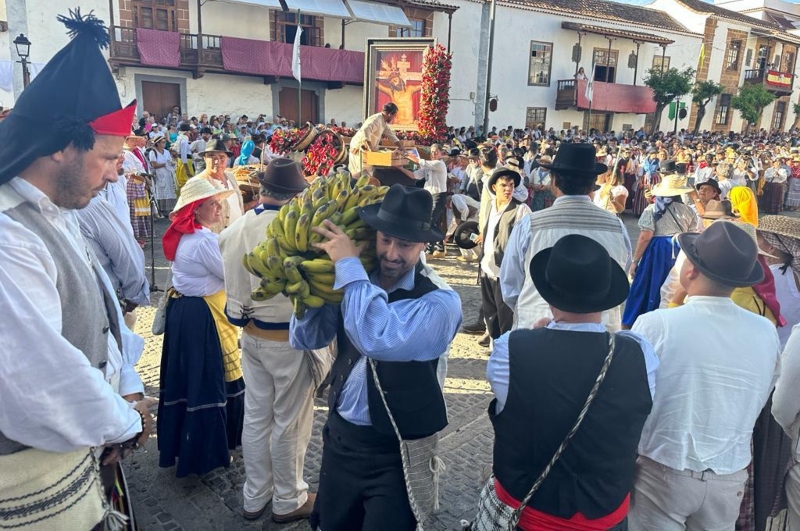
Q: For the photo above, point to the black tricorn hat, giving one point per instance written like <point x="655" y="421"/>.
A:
<point x="404" y="213"/>
<point x="724" y="253"/>
<point x="72" y="99"/>
<point x="576" y="159"/>
<point x="577" y="275"/>
<point x="283" y="175"/>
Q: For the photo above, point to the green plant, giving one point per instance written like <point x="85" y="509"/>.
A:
<point x="702" y="93"/>
<point x="750" y="102"/>
<point x="666" y="86"/>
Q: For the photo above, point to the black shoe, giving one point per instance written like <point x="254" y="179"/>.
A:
<point x="485" y="341"/>
<point x="475" y="328"/>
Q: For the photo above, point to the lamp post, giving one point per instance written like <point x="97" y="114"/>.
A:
<point x="23" y="50"/>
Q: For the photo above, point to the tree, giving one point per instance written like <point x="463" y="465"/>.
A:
<point x="667" y="85"/>
<point x="750" y="102"/>
<point x="702" y="93"/>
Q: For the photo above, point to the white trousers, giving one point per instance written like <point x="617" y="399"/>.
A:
<point x="278" y="413"/>
<point x="665" y="499"/>
<point x="793" y="498"/>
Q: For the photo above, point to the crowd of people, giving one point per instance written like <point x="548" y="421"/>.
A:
<point x="647" y="387"/>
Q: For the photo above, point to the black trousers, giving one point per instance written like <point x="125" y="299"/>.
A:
<point x="361" y="485"/>
<point x="436" y="215"/>
<point x="499" y="317"/>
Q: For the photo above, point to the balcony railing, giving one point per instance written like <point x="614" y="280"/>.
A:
<point x="605" y="97"/>
<point x="200" y="53"/>
<point x="774" y="81"/>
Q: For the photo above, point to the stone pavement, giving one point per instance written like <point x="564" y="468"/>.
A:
<point x="214" y="501"/>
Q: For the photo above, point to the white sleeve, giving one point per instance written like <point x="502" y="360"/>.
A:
<point x="786" y="400"/>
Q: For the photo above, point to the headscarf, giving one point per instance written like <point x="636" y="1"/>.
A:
<point x="661" y="204"/>
<point x="743" y="202"/>
<point x="766" y="291"/>
<point x="183" y="222"/>
<point x="244" y="154"/>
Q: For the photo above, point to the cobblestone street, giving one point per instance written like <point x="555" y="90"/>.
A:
<point x="214" y="501"/>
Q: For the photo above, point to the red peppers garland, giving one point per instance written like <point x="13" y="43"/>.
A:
<point x="435" y="98"/>
<point x="321" y="154"/>
<point x="283" y="140"/>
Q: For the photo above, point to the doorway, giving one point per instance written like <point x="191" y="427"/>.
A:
<point x="287" y="101"/>
<point x="600" y="121"/>
<point x="159" y="98"/>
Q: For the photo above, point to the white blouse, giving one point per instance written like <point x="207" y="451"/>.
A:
<point x="197" y="270"/>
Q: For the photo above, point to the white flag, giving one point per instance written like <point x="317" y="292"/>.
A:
<point x="590" y="86"/>
<point x="296" y="54"/>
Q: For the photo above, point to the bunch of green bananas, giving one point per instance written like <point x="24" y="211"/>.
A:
<point x="288" y="263"/>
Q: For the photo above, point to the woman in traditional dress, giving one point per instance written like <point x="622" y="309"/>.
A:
<point x="183" y="157"/>
<point x="165" y="184"/>
<point x="775" y="178"/>
<point x="656" y="249"/>
<point x="136" y="189"/>
<point x="540" y="186"/>
<point x="201" y="405"/>
<point x="612" y="194"/>
<point x="793" y="197"/>
<point x="649" y="177"/>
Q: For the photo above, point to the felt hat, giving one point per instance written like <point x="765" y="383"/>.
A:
<point x="712" y="183"/>
<point x="463" y="234"/>
<point x="576" y="159"/>
<point x="667" y="167"/>
<point x="718" y="210"/>
<point x="577" y="275"/>
<point x="725" y="253"/>
<point x="215" y="145"/>
<point x="73" y="99"/>
<point x="502" y="171"/>
<point x="404" y="213"/>
<point x="197" y="189"/>
<point x="671" y="185"/>
<point x="283" y="175"/>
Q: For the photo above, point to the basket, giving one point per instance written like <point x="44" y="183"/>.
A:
<point x="307" y="138"/>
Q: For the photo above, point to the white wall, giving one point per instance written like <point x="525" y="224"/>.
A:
<point x="231" y="19"/>
<point x="355" y="33"/>
<point x="344" y="104"/>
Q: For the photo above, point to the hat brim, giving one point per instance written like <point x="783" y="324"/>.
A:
<point x="228" y="153"/>
<point x="687" y="244"/>
<point x="670" y="192"/>
<point x="462" y="234"/>
<point x="611" y="295"/>
<point x="597" y="170"/>
<point x="715" y="186"/>
<point x="504" y="172"/>
<point x="370" y="216"/>
<point x="221" y="194"/>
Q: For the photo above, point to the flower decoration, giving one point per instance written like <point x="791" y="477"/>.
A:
<point x="283" y="140"/>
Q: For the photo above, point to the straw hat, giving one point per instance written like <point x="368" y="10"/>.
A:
<point x="197" y="189"/>
<point x="672" y="185"/>
<point x="780" y="225"/>
<point x="751" y="231"/>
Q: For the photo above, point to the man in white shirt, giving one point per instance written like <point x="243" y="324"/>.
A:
<point x="198" y="146"/>
<point x="434" y="172"/>
<point x="695" y="446"/>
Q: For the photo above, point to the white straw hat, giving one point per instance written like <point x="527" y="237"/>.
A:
<point x="672" y="185"/>
<point x="196" y="189"/>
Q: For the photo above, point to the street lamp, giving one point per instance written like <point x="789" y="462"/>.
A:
<point x="23" y="50"/>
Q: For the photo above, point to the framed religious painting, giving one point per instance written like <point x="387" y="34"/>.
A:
<point x="393" y="73"/>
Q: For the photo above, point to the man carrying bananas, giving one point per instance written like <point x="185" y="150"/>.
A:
<point x="279" y="394"/>
<point x="393" y="328"/>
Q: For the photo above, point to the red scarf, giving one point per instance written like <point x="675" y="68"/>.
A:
<point x="183" y="222"/>
<point x="766" y="290"/>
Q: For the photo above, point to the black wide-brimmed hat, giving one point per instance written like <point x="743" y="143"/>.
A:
<point x="503" y="171"/>
<point x="72" y="100"/>
<point x="710" y="182"/>
<point x="725" y="254"/>
<point x="463" y="234"/>
<point x="215" y="145"/>
<point x="404" y="213"/>
<point x="576" y="159"/>
<point x="577" y="275"/>
<point x="283" y="175"/>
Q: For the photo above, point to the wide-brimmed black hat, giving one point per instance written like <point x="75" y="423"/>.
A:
<point x="578" y="160"/>
<point x="404" y="213"/>
<point x="712" y="183"/>
<point x="668" y="166"/>
<point x="725" y="254"/>
<point x="283" y="175"/>
<point x="502" y="171"/>
<point x="463" y="235"/>
<point x="72" y="100"/>
<point x="215" y="145"/>
<point x="577" y="275"/>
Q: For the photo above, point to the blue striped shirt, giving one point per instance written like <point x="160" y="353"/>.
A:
<point x="406" y="330"/>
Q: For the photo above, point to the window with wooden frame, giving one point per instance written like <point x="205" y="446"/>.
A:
<point x="779" y="116"/>
<point x="787" y="63"/>
<point x="421" y="23"/>
<point x="605" y="69"/>
<point x="541" y="58"/>
<point x="286" y="28"/>
<point x="535" y="116"/>
<point x="722" y="116"/>
<point x="732" y="55"/>
<point x="154" y="14"/>
<point x="660" y="61"/>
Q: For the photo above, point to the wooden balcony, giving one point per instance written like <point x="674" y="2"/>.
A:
<point x="606" y="97"/>
<point x="777" y="82"/>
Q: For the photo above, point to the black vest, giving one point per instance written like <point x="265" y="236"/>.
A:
<point x="502" y="231"/>
<point x="410" y="387"/>
<point x="551" y="374"/>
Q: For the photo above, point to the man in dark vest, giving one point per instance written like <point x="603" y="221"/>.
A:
<point x="397" y="321"/>
<point x="541" y="379"/>
<point x="503" y="213"/>
<point x="72" y="404"/>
